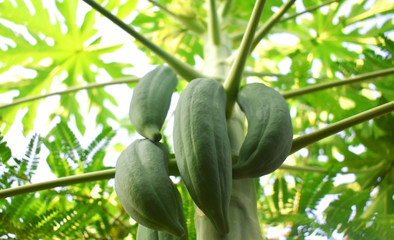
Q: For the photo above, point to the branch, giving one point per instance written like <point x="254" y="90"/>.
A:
<point x="60" y="182"/>
<point x="305" y="140"/>
<point x="287" y="167"/>
<point x="285" y="94"/>
<point x="302" y="168"/>
<point x="102" y="175"/>
<point x="184" y="70"/>
<point x="322" y="86"/>
<point x="233" y="80"/>
<point x="228" y="4"/>
<point x="261" y="74"/>
<point x="110" y="173"/>
<point x="213" y="23"/>
<point x="70" y="90"/>
<point x="80" y="178"/>
<point x="310" y="9"/>
<point x="237" y="36"/>
<point x="274" y="19"/>
<point x="191" y="23"/>
<point x="173" y="170"/>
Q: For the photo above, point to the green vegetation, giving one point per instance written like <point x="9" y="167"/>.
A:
<point x="331" y="60"/>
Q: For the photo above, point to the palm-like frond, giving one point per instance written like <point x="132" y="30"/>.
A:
<point x="94" y="152"/>
<point x="31" y="159"/>
<point x="82" y="211"/>
<point x="5" y="155"/>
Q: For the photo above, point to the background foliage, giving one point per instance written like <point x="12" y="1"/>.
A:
<point x="49" y="47"/>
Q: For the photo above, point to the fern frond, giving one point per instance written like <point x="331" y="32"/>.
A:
<point x="44" y="223"/>
<point x="375" y="228"/>
<point x="70" y="144"/>
<point x="5" y="151"/>
<point x="275" y="195"/>
<point x="71" y="219"/>
<point x="19" y="211"/>
<point x="338" y="213"/>
<point x="57" y="163"/>
<point x="31" y="159"/>
<point x="188" y="209"/>
<point x="101" y="141"/>
<point x="310" y="183"/>
<point x="95" y="153"/>
<point x="322" y="190"/>
<point x="5" y="154"/>
<point x="26" y="166"/>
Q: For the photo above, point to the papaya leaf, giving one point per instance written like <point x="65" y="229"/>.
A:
<point x="59" y="49"/>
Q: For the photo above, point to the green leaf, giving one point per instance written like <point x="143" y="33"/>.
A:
<point x="68" y="53"/>
<point x="275" y="196"/>
<point x="5" y="151"/>
<point x="339" y="212"/>
<point x="359" y="12"/>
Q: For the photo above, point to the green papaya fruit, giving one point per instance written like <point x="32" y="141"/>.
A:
<point x="145" y="190"/>
<point x="202" y="149"/>
<point x="151" y="100"/>
<point x="270" y="133"/>
<point x="145" y="233"/>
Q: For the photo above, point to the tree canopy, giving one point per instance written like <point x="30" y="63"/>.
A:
<point x="331" y="60"/>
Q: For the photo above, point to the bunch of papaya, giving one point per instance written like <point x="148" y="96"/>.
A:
<point x="203" y="152"/>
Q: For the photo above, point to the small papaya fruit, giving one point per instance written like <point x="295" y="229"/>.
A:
<point x="270" y="133"/>
<point x="151" y="100"/>
<point x="203" y="150"/>
<point x="145" y="190"/>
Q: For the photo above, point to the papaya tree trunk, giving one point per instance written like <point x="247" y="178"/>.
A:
<point x="244" y="222"/>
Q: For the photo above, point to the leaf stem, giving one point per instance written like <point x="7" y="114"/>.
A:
<point x="262" y="74"/>
<point x="191" y="23"/>
<point x="70" y="90"/>
<point x="263" y="30"/>
<point x="307" y="139"/>
<point x="310" y="9"/>
<point x="233" y="80"/>
<point x="322" y="86"/>
<point x="302" y="168"/>
<point x="184" y="70"/>
<point x="238" y="36"/>
<point x="287" y="167"/>
<point x="228" y="4"/>
<point x="285" y="94"/>
<point x="213" y="23"/>
<point x="63" y="181"/>
<point x="110" y="173"/>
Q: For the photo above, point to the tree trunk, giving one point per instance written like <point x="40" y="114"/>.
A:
<point x="244" y="223"/>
